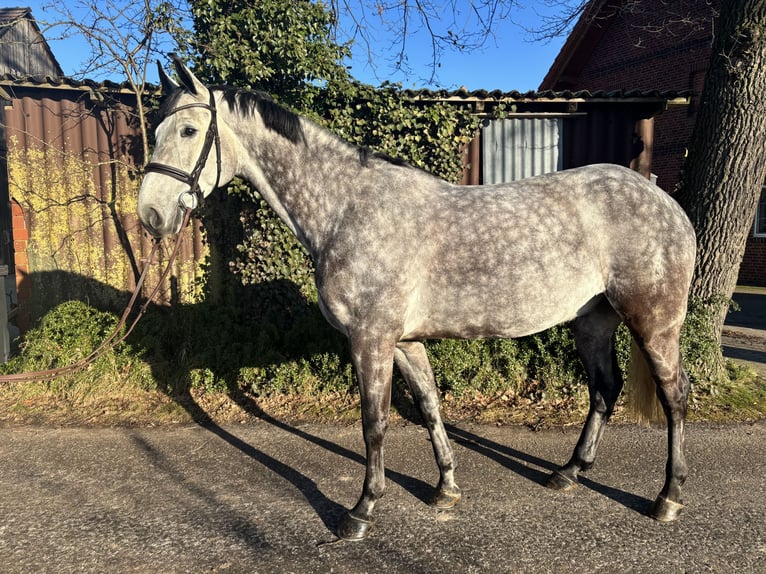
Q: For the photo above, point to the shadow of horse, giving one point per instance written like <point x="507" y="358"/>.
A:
<point x="176" y="341"/>
<point x="169" y="340"/>
<point x="523" y="465"/>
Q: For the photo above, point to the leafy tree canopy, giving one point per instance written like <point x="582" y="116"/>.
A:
<point x="283" y="48"/>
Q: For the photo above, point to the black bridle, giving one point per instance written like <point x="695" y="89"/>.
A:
<point x="119" y="334"/>
<point x="192" y="178"/>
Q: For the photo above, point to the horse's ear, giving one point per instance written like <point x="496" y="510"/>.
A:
<point x="187" y="79"/>
<point x="168" y="84"/>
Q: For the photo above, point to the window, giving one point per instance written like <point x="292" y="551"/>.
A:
<point x="515" y="148"/>
<point x="759" y="227"/>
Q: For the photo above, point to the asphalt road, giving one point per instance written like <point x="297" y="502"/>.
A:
<point x="264" y="498"/>
<point x="744" y="334"/>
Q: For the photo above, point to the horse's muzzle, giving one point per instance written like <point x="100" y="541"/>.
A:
<point x="158" y="225"/>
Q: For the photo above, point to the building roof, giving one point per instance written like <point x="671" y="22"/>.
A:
<point x="546" y="95"/>
<point x="476" y="99"/>
<point x="17" y="57"/>
<point x="63" y="82"/>
<point x="582" y="40"/>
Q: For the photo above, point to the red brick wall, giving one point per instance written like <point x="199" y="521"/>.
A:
<point x="753" y="269"/>
<point x="663" y="45"/>
<point x="21" y="261"/>
<point x="644" y="48"/>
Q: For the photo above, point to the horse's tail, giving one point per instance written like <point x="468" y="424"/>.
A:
<point x="642" y="404"/>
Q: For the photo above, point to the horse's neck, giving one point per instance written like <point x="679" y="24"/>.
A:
<point x="306" y="183"/>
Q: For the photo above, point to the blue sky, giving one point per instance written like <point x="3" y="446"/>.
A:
<point x="510" y="60"/>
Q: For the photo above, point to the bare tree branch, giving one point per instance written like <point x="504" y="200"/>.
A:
<point x="124" y="36"/>
<point x="462" y="25"/>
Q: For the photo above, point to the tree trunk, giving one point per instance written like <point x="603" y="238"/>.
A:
<point x="726" y="164"/>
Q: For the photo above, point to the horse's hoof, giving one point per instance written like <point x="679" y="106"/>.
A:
<point x="353" y="528"/>
<point x="559" y="481"/>
<point x="664" y="510"/>
<point x="443" y="499"/>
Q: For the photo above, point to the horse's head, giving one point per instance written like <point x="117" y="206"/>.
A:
<point x="189" y="159"/>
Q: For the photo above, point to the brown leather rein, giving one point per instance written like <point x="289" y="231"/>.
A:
<point x="115" y="338"/>
<point x="187" y="201"/>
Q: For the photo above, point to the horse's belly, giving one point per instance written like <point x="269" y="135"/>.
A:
<point x="510" y="313"/>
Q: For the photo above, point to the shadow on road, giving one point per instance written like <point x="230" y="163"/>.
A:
<point x="512" y="459"/>
<point x="519" y="463"/>
<point x="745" y="354"/>
<point x="629" y="500"/>
<point x="236" y="522"/>
<point x="328" y="510"/>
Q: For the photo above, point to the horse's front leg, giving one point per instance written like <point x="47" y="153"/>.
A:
<point x="412" y="360"/>
<point x="373" y="361"/>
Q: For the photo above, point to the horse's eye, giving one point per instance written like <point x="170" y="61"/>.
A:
<point x="188" y="132"/>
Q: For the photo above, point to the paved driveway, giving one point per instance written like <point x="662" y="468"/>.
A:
<point x="263" y="498"/>
<point x="744" y="334"/>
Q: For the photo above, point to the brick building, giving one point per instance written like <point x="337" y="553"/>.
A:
<point x="652" y="45"/>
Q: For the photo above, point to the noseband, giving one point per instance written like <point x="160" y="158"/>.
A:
<point x="193" y="196"/>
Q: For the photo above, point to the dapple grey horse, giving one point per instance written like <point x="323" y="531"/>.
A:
<point x="402" y="256"/>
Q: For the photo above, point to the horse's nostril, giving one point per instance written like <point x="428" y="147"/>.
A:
<point x="155" y="219"/>
<point x="152" y="220"/>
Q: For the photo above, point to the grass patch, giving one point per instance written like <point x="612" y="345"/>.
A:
<point x="741" y="398"/>
<point x="199" y="362"/>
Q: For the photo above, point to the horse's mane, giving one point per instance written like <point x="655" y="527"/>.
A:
<point x="246" y="102"/>
<point x="366" y="154"/>
<point x="285" y="122"/>
<point x="276" y="117"/>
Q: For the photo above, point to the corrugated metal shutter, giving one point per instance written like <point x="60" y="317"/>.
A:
<point x="516" y="148"/>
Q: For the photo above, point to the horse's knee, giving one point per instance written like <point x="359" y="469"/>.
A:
<point x="374" y="432"/>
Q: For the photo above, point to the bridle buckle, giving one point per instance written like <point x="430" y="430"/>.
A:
<point x="189" y="200"/>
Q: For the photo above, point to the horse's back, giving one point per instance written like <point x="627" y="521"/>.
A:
<point x="603" y="216"/>
<point x="513" y="259"/>
<point x="501" y="260"/>
<point x="608" y="210"/>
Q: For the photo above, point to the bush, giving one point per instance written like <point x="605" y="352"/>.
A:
<point x="68" y="333"/>
<point x="700" y="348"/>
<point x="224" y="349"/>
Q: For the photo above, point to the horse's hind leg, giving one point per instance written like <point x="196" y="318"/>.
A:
<point x="654" y="317"/>
<point x="413" y="363"/>
<point x="663" y="355"/>
<point x="594" y="336"/>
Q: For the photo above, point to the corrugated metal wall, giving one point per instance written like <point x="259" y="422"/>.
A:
<point x="516" y="148"/>
<point x="606" y="134"/>
<point x="71" y="165"/>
